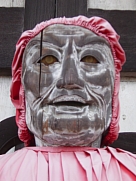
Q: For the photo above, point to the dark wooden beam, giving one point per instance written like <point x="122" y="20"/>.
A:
<point x="124" y="22"/>
<point x="37" y="11"/>
<point x="11" y="27"/>
<point x="13" y="20"/>
<point x="71" y="8"/>
<point x="6" y="71"/>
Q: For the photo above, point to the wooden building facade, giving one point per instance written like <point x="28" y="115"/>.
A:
<point x="19" y="15"/>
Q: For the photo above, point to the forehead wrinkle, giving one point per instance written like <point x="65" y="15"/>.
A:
<point x="81" y="39"/>
<point x="56" y="35"/>
<point x="78" y="33"/>
<point x="94" y="40"/>
<point x="55" y="40"/>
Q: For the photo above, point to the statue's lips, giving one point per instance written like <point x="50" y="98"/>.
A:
<point x="69" y="107"/>
<point x="69" y="104"/>
<point x="72" y="103"/>
<point x="67" y="98"/>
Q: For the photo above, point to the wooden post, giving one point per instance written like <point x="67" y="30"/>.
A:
<point x="37" y="11"/>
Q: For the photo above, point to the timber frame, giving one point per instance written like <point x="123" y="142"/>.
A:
<point x="15" y="20"/>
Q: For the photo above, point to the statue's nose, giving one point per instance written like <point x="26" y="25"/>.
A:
<point x="70" y="77"/>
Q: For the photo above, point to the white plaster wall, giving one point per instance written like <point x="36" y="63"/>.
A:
<point x="12" y="3"/>
<point x="128" y="104"/>
<point x="112" y="4"/>
<point x="6" y="107"/>
<point x="127" y="101"/>
<point x="128" y="85"/>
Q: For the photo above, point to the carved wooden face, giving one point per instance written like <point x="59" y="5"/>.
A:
<point x="68" y="77"/>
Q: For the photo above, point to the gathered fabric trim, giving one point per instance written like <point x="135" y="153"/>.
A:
<point x="100" y="27"/>
<point x="68" y="164"/>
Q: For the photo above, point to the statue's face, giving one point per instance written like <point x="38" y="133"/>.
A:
<point x="69" y="89"/>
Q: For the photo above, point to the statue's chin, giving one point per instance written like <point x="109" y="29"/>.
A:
<point x="71" y="126"/>
<point x="66" y="125"/>
<point x="84" y="139"/>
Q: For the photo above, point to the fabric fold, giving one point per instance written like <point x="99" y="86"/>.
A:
<point x="85" y="161"/>
<point x="68" y="164"/>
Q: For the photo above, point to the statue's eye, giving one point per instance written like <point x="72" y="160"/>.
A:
<point x="89" y="59"/>
<point x="48" y="60"/>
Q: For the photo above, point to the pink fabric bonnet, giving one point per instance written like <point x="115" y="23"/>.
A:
<point x="96" y="24"/>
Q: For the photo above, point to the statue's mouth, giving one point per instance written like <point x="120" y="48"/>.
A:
<point x="69" y="98"/>
<point x="69" y="103"/>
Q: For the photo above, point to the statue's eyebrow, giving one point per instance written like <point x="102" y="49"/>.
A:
<point x="94" y="40"/>
<point x="56" y="42"/>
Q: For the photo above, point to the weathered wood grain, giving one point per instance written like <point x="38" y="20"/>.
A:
<point x="11" y="27"/>
<point x="37" y="11"/>
<point x="40" y="10"/>
<point x="70" y="8"/>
